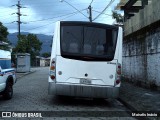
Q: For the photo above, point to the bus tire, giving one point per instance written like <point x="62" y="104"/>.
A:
<point x="8" y="93"/>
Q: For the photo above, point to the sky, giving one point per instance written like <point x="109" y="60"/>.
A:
<point x="39" y="16"/>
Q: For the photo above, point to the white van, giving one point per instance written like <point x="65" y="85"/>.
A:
<point x="86" y="60"/>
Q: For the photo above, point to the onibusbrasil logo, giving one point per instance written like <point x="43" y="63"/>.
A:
<point x="21" y="114"/>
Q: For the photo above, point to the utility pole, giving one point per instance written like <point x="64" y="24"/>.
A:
<point x="90" y="13"/>
<point x="19" y="19"/>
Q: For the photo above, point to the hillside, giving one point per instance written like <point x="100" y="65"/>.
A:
<point x="45" y="39"/>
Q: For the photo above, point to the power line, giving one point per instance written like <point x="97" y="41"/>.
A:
<point x="54" y="17"/>
<point x="91" y="2"/>
<point x="5" y="15"/>
<point x="74" y="7"/>
<point x="8" y="23"/>
<point x="50" y="3"/>
<point x="53" y="22"/>
<point x="102" y="13"/>
<point x="104" y="9"/>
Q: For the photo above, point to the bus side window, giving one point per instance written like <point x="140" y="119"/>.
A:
<point x="73" y="48"/>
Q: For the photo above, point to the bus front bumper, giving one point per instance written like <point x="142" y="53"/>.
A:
<point x="91" y="91"/>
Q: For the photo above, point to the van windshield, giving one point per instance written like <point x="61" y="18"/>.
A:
<point x="91" y="42"/>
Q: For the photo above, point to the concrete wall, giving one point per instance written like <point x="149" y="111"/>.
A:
<point x="141" y="47"/>
<point x="145" y="17"/>
<point x="141" y="58"/>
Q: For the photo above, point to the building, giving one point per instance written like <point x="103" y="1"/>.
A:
<point x="141" y="45"/>
<point x="42" y="62"/>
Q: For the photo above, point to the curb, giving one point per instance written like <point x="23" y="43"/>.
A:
<point x="133" y="109"/>
<point x="25" y="74"/>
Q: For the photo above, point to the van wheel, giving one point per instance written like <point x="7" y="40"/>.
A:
<point x="8" y="93"/>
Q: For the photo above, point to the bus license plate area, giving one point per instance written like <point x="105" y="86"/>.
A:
<point x="85" y="81"/>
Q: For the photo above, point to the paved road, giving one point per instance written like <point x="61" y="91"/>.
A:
<point x="31" y="94"/>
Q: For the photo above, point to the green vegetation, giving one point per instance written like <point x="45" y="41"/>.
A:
<point x="28" y="44"/>
<point x="3" y="37"/>
<point x="118" y="17"/>
<point x="45" y="55"/>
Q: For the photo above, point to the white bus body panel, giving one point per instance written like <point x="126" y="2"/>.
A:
<point x="73" y="70"/>
<point x="101" y="73"/>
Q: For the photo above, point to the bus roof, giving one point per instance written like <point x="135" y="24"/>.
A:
<point x="88" y="23"/>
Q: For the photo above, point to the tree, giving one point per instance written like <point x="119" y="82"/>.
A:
<point x="46" y="55"/>
<point x="118" y="17"/>
<point x="3" y="33"/>
<point x="3" y="37"/>
<point x="29" y="44"/>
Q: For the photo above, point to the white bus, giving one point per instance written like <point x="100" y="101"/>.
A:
<point x="86" y="60"/>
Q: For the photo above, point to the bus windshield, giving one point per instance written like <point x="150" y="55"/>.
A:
<point x="88" y="42"/>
